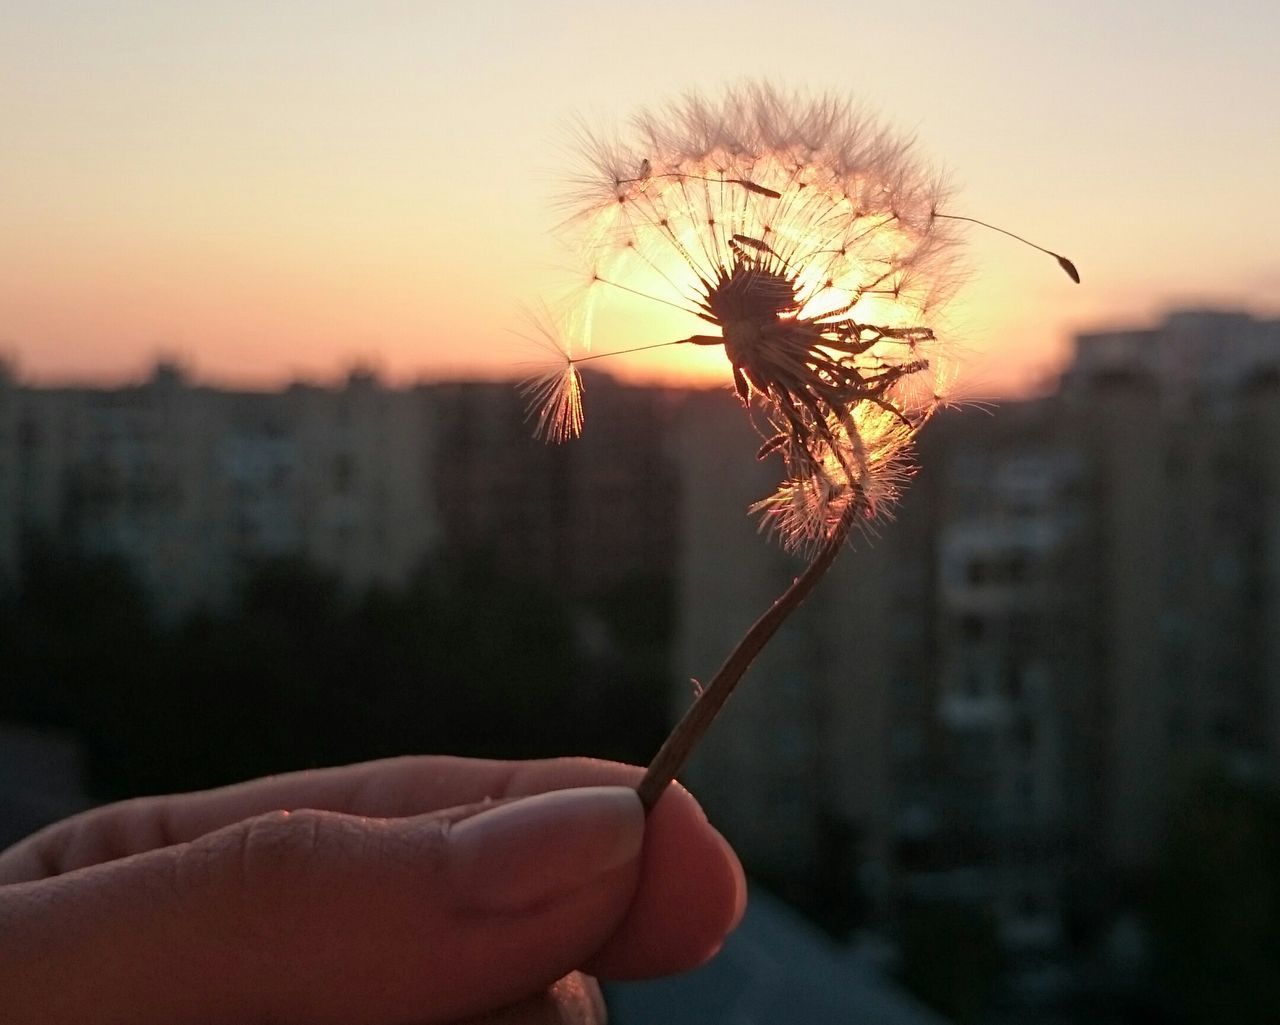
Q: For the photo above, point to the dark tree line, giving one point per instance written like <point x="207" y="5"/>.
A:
<point x="299" y="672"/>
<point x="1214" y="908"/>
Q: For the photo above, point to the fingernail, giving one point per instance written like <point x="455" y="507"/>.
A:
<point x="519" y="855"/>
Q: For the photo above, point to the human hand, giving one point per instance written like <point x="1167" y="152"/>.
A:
<point x="414" y="890"/>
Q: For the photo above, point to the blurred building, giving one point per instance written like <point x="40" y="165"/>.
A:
<point x="1011" y="639"/>
<point x="342" y="477"/>
<point x="189" y="485"/>
<point x="1174" y="427"/>
<point x="1076" y="608"/>
<point x="582" y="516"/>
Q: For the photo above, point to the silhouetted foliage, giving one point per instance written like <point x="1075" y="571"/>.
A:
<point x="951" y="958"/>
<point x="300" y="672"/>
<point x="1215" y="909"/>
<point x="77" y="648"/>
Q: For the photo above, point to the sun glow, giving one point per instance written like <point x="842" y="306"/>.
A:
<point x="650" y="284"/>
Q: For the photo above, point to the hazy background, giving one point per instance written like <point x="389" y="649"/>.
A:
<point x="272" y="189"/>
<point x="1042" y="789"/>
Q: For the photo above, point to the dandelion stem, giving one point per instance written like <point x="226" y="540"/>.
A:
<point x="681" y="741"/>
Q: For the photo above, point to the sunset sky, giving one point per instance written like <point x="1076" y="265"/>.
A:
<point x="269" y="190"/>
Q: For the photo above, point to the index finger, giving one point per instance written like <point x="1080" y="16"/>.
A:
<point x="391" y="788"/>
<point x="689" y="895"/>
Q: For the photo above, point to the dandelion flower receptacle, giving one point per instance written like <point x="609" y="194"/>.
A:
<point x="810" y="244"/>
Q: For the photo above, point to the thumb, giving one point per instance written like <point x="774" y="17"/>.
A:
<point x="321" y="917"/>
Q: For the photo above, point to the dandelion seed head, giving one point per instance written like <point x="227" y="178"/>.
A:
<point x="805" y="238"/>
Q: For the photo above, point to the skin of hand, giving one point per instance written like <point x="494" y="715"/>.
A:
<point x="413" y="890"/>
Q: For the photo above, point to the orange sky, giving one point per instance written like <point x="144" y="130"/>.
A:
<point x="271" y="190"/>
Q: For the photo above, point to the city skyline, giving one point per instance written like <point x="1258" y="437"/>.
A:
<point x="271" y="193"/>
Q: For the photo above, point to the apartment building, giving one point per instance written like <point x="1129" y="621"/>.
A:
<point x="1076" y="609"/>
<point x="189" y="484"/>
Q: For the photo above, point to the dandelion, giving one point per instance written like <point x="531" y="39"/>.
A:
<point x="805" y="237"/>
<point x="811" y="245"/>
